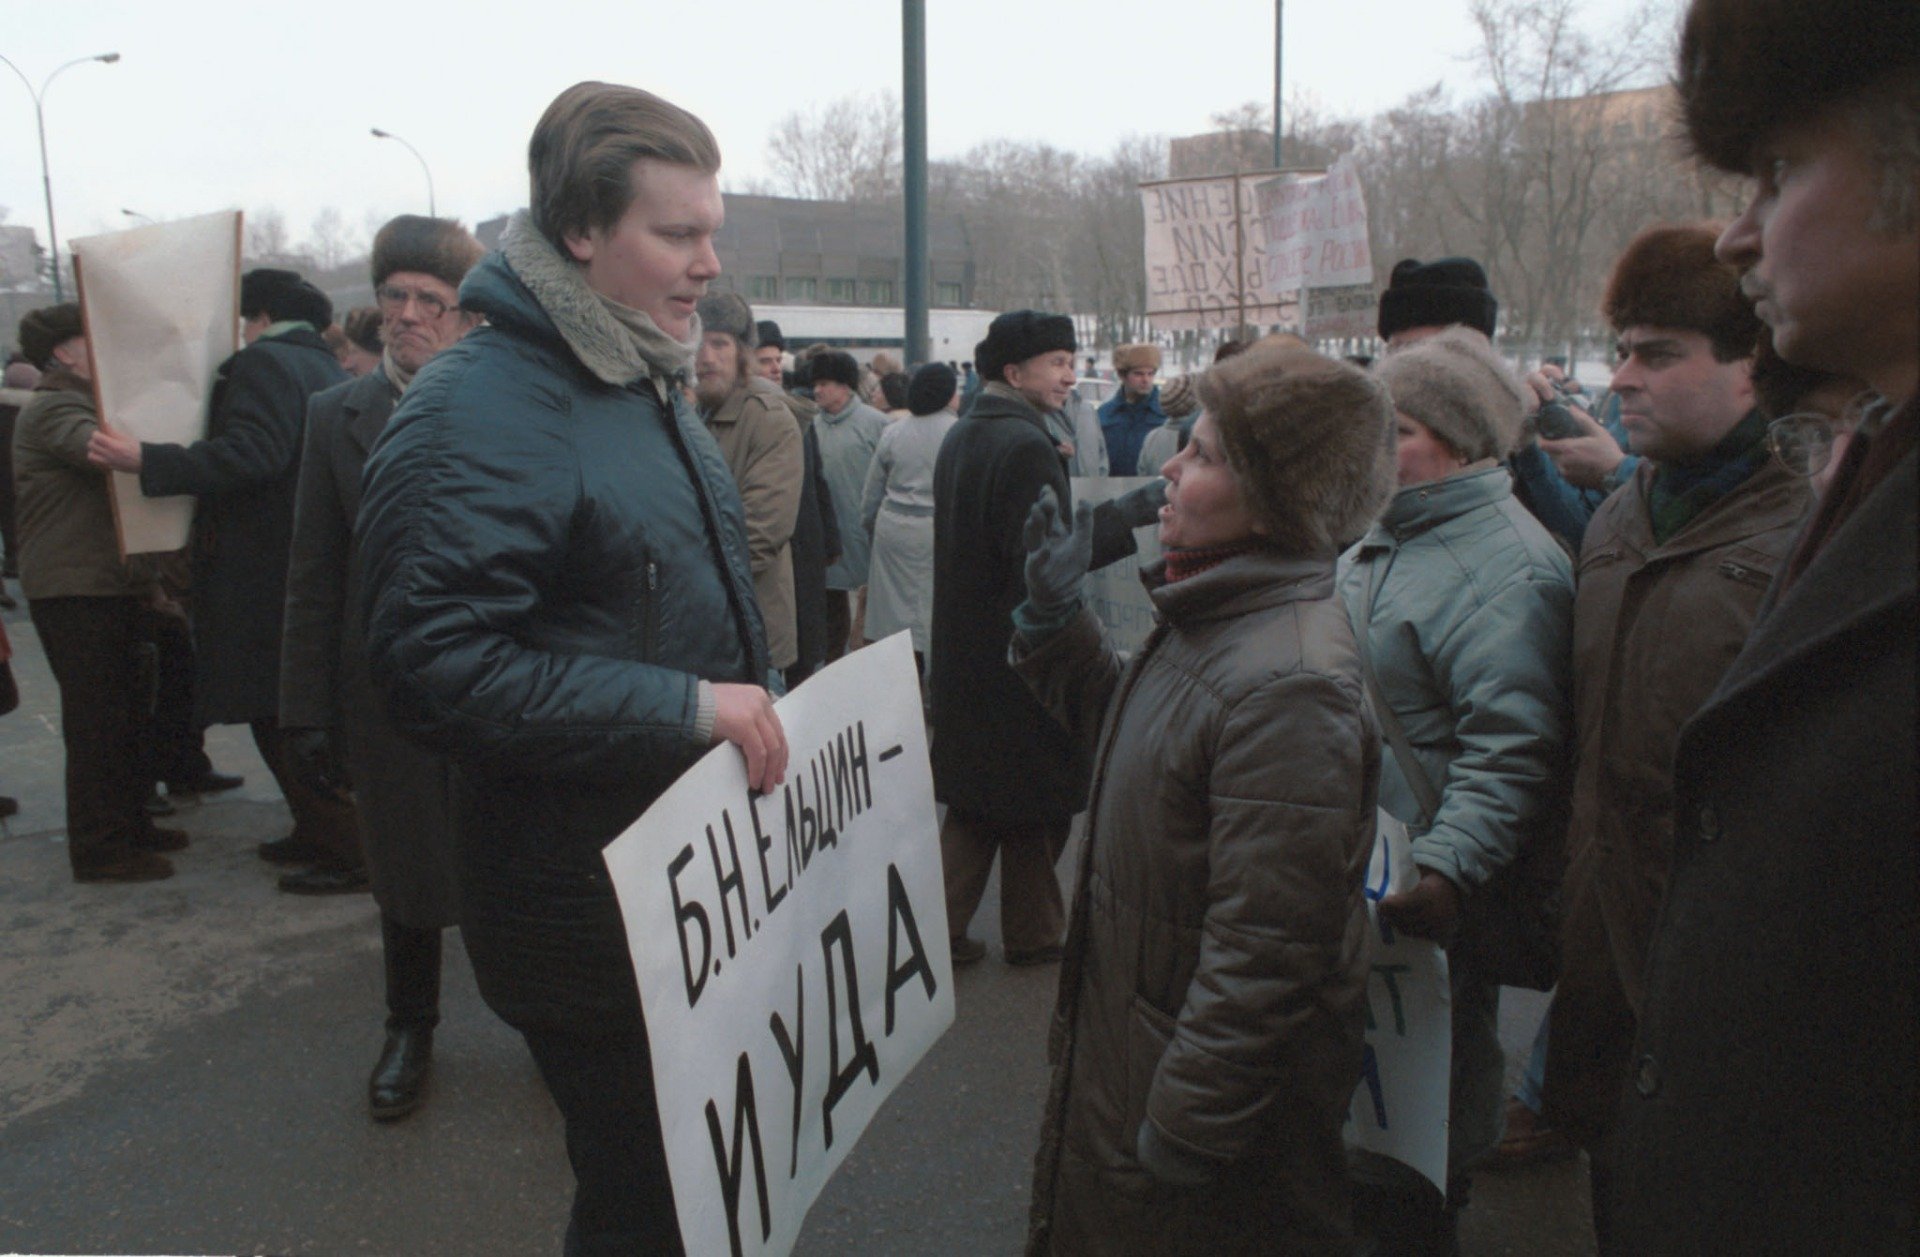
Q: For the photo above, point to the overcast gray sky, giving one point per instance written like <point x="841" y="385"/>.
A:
<point x="215" y="105"/>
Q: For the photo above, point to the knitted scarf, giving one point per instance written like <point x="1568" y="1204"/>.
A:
<point x="1682" y="492"/>
<point x="1184" y="563"/>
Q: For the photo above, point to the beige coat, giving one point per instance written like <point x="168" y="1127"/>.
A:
<point x="1655" y="627"/>
<point x="68" y="547"/>
<point x="760" y="440"/>
<point x="1216" y="960"/>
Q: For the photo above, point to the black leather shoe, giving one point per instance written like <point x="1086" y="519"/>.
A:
<point x="293" y="849"/>
<point x="206" y="783"/>
<point x="323" y="880"/>
<point x="9" y="806"/>
<point x="399" y="1078"/>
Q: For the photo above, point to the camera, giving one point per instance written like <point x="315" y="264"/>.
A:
<point x="1554" y="421"/>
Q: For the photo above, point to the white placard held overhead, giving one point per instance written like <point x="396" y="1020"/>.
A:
<point x="162" y="310"/>
<point x="791" y="949"/>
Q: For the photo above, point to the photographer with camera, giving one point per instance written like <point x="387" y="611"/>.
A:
<point x="1568" y="460"/>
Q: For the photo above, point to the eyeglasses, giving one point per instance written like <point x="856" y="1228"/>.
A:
<point x="1802" y="442"/>
<point x="393" y="300"/>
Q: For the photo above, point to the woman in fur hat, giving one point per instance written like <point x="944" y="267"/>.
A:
<point x="1210" y="997"/>
<point x="1467" y="603"/>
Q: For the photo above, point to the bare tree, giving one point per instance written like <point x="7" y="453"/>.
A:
<point x="846" y="150"/>
<point x="266" y="234"/>
<point x="330" y="240"/>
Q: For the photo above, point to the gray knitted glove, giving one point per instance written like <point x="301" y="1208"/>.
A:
<point x="1057" y="556"/>
<point x="1140" y="507"/>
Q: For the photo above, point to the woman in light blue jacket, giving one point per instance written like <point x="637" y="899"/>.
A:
<point x="1467" y="604"/>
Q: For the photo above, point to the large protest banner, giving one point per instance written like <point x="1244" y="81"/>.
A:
<point x="1114" y="592"/>
<point x="1206" y="250"/>
<point x="791" y="949"/>
<point x="1316" y="232"/>
<point x="1400" y="1108"/>
<point x="162" y="311"/>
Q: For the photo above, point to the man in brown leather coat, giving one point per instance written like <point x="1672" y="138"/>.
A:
<point x="1671" y="574"/>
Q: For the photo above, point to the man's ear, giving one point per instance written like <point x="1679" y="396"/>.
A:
<point x="579" y="245"/>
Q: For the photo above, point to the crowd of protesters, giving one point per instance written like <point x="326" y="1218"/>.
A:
<point x="487" y="566"/>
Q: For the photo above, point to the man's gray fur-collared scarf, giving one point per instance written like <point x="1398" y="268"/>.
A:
<point x="617" y="343"/>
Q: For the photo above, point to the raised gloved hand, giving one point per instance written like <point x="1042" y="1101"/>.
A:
<point x="314" y="760"/>
<point x="1140" y="507"/>
<point x="1058" y="556"/>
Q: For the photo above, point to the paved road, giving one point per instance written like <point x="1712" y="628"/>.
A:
<point x="182" y="1070"/>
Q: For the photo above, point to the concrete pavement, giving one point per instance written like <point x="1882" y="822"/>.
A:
<point x="183" y="1065"/>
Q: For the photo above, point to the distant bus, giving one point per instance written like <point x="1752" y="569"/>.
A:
<point x="865" y="330"/>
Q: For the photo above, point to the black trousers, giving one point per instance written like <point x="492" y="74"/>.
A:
<point x="413" y="975"/>
<point x="839" y="622"/>
<point x="175" y="745"/>
<point x="93" y="647"/>
<point x="601" y="1078"/>
<point x="326" y="819"/>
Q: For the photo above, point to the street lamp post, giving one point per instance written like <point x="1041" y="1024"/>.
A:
<point x="148" y="219"/>
<point x="378" y="134"/>
<point x="40" y="121"/>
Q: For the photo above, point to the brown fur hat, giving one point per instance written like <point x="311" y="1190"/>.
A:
<point x="1748" y="67"/>
<point x="1462" y="390"/>
<point x="1127" y="357"/>
<point x="1669" y="277"/>
<point x="1310" y="438"/>
<point x="438" y="247"/>
<point x="729" y="312"/>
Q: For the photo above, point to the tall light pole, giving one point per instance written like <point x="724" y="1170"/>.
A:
<point x="148" y="219"/>
<point x="1279" y="46"/>
<point x="378" y="134"/>
<point x="913" y="25"/>
<point x="40" y="121"/>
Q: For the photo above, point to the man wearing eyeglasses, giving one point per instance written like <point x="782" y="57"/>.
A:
<point x="244" y="474"/>
<point x="1672" y="571"/>
<point x="330" y="712"/>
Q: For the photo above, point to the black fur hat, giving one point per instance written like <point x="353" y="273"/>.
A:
<point x="769" y="334"/>
<point x="1669" y="277"/>
<point x="931" y="388"/>
<point x="438" y="247"/>
<point x="282" y="295"/>
<point x="836" y="365"/>
<point x="44" y="330"/>
<point x="1019" y="335"/>
<point x="1747" y="67"/>
<point x="1437" y="294"/>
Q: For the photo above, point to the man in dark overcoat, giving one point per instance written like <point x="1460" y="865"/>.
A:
<point x="330" y="712"/>
<point x="244" y="473"/>
<point x="1771" y="1100"/>
<point x="1010" y="776"/>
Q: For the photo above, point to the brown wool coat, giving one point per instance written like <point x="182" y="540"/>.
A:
<point x="757" y="436"/>
<point x="1216" y="958"/>
<point x="1655" y="627"/>
<point x="66" y="546"/>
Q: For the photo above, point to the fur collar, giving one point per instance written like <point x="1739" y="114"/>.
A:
<point x="611" y="351"/>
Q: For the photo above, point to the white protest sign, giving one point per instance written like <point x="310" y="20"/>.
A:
<point x="1114" y="593"/>
<point x="1206" y="247"/>
<point x="1400" y="1108"/>
<point x="791" y="949"/>
<point x="1315" y="228"/>
<point x="162" y="310"/>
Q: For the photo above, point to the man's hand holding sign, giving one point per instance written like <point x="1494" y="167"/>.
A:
<point x="790" y="941"/>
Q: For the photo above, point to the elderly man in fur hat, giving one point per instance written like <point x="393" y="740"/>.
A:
<point x="331" y="715"/>
<point x="1130" y="414"/>
<point x="1011" y="777"/>
<point x="757" y="434"/>
<point x="1672" y="573"/>
<point x="1772" y="1097"/>
<point x="244" y="474"/>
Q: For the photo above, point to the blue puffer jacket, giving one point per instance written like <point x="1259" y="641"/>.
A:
<point x="1125" y="425"/>
<point x="552" y="563"/>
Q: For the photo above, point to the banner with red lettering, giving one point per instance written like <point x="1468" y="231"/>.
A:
<point x="791" y="949"/>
